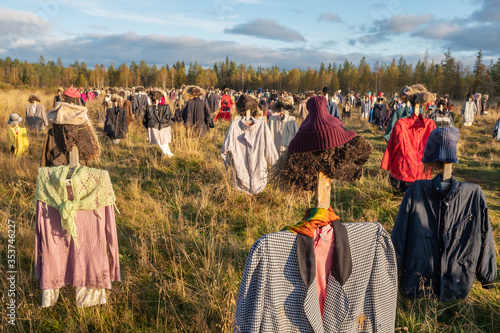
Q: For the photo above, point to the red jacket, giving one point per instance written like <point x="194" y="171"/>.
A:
<point x="226" y="103"/>
<point x="405" y="149"/>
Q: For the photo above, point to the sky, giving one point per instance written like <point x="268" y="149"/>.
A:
<point x="289" y="33"/>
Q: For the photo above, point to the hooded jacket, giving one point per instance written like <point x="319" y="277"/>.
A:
<point x="443" y="240"/>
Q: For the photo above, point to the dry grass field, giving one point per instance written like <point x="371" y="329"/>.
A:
<point x="185" y="232"/>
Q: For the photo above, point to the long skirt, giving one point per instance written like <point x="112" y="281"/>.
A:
<point x="161" y="137"/>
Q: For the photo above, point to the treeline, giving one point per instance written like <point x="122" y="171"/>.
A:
<point x="450" y="76"/>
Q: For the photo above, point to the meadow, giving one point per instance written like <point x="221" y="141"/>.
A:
<point x="185" y="232"/>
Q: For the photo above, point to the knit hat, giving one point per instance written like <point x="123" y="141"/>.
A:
<point x="259" y="91"/>
<point x="442" y="145"/>
<point x="326" y="90"/>
<point x="320" y="130"/>
<point x="72" y="92"/>
<point x="68" y="114"/>
<point x="14" y="119"/>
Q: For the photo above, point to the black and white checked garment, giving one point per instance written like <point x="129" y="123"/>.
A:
<point x="273" y="296"/>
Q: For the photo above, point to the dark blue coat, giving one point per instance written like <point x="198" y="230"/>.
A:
<point x="443" y="240"/>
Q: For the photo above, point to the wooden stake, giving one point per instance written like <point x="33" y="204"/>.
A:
<point x="447" y="172"/>
<point x="323" y="190"/>
<point x="74" y="159"/>
<point x="417" y="109"/>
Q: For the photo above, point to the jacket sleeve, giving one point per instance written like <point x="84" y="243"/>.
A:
<point x="108" y="128"/>
<point x="186" y="115"/>
<point x="226" y="147"/>
<point x="44" y="116"/>
<point x="384" y="279"/>
<point x="250" y="304"/>
<point x="208" y="113"/>
<point x="336" y="111"/>
<point x="112" y="238"/>
<point x="291" y="129"/>
<point x="487" y="262"/>
<point x="271" y="154"/>
<point x="392" y="145"/>
<point x="398" y="234"/>
<point x="145" y="119"/>
<point x="495" y="130"/>
<point x="391" y="125"/>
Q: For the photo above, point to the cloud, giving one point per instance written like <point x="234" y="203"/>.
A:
<point x="398" y="24"/>
<point x="465" y="38"/>
<point x="95" y="9"/>
<point x="21" y="27"/>
<point x="381" y="30"/>
<point x="268" y="29"/>
<point x="99" y="27"/>
<point x="438" y="30"/>
<point x="329" y="17"/>
<point x="369" y="39"/>
<point x="489" y="12"/>
<point x="161" y="49"/>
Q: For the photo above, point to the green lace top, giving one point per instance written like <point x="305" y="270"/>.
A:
<point x="92" y="189"/>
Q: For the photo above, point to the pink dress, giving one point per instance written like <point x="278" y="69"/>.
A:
<point x="58" y="262"/>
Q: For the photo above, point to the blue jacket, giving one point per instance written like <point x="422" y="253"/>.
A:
<point x="333" y="109"/>
<point x="443" y="240"/>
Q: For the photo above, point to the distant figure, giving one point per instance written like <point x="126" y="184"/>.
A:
<point x="469" y="110"/>
<point x="379" y="112"/>
<point x="58" y="98"/>
<point x="36" y="118"/>
<point x="116" y="125"/>
<point x="158" y="122"/>
<point x="485" y="104"/>
<point x="226" y="105"/>
<point x="196" y="114"/>
<point x="366" y="107"/>
<point x="17" y="136"/>
<point x="477" y="102"/>
<point x="332" y="107"/>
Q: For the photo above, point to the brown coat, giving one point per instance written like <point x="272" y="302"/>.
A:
<point x="128" y="106"/>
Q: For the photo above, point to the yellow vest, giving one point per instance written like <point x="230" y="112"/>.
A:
<point x="19" y="141"/>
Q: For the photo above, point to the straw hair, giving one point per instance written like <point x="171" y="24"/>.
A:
<point x="33" y="98"/>
<point x="424" y="98"/>
<point x="247" y="102"/>
<point x="298" y="172"/>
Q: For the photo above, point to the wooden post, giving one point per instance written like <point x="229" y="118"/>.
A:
<point x="417" y="109"/>
<point x="447" y="172"/>
<point x="323" y="190"/>
<point x="74" y="159"/>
